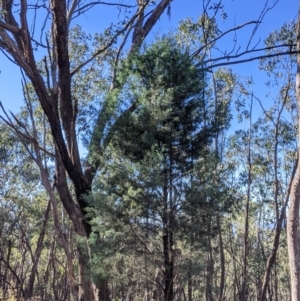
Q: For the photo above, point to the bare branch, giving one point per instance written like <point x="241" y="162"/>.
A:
<point x="260" y="19"/>
<point x="139" y="22"/>
<point x="221" y="36"/>
<point x="88" y="6"/>
<point x="21" y="135"/>
<point x="71" y="12"/>
<point x="202" y="64"/>
<point x="11" y="28"/>
<point x="98" y="52"/>
<point x="118" y="55"/>
<point x="151" y="21"/>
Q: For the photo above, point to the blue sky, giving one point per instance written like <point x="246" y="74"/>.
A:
<point x="238" y="11"/>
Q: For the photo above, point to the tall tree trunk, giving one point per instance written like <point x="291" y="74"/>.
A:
<point x="169" y="266"/>
<point x="168" y="235"/>
<point x="190" y="283"/>
<point x="244" y="293"/>
<point x="293" y="237"/>
<point x="272" y="256"/>
<point x="86" y="290"/>
<point x="222" y="261"/>
<point x="280" y="216"/>
<point x="209" y="267"/>
<point x="103" y="290"/>
<point x="293" y="214"/>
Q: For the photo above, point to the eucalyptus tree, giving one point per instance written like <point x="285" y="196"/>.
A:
<point x="26" y="226"/>
<point x="54" y="92"/>
<point x="54" y="86"/>
<point x="268" y="167"/>
<point x="293" y="216"/>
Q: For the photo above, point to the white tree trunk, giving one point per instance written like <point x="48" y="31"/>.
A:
<point x="293" y="233"/>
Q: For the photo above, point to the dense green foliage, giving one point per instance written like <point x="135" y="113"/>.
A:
<point x="152" y="188"/>
<point x="180" y="207"/>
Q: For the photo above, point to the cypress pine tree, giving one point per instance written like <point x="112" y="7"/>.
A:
<point x="151" y="158"/>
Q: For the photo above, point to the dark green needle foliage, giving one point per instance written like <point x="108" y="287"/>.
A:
<point x="171" y="112"/>
<point x="158" y="155"/>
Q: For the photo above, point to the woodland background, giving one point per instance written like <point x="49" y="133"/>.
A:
<point x="146" y="168"/>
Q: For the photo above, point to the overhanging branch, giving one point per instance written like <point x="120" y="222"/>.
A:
<point x="221" y="36"/>
<point x="259" y="57"/>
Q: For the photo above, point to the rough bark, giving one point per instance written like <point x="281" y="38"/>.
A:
<point x="168" y="268"/>
<point x="222" y="261"/>
<point x="86" y="290"/>
<point x="209" y="265"/>
<point x="190" y="285"/>
<point x="168" y="237"/>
